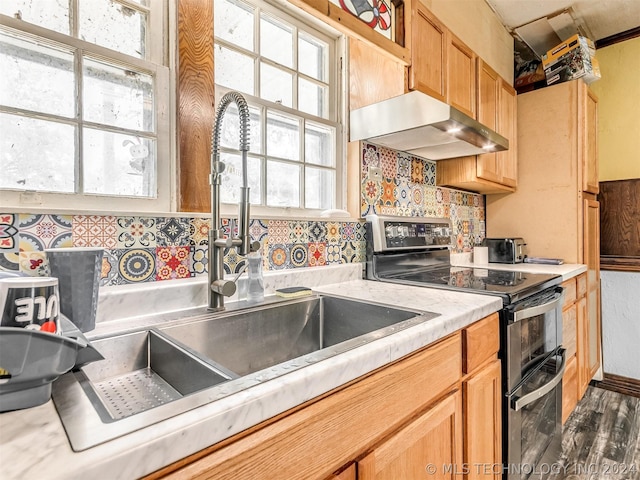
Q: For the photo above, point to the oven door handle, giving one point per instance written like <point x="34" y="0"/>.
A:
<point x="518" y="403"/>
<point x="537" y="310"/>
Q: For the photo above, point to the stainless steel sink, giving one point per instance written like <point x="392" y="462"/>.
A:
<point x="141" y="371"/>
<point x="154" y="374"/>
<point x="246" y="342"/>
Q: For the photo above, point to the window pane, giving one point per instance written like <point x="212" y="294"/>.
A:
<point x="113" y="25"/>
<point x="35" y="77"/>
<point x="230" y="131"/>
<point x="283" y="136"/>
<point x="276" y="85"/>
<point x="312" y="98"/>
<point x="36" y="154"/>
<point x="276" y="41"/>
<point x="319" y="188"/>
<point x="52" y="14"/>
<point x="117" y="164"/>
<point x="233" y="70"/>
<point x="232" y="178"/>
<point x="233" y="21"/>
<point x="319" y="144"/>
<point x="283" y="184"/>
<point x="118" y="97"/>
<point x="312" y="57"/>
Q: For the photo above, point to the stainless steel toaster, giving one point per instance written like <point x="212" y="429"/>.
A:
<point x="505" y="250"/>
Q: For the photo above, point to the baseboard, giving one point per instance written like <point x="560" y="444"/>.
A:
<point x="617" y="383"/>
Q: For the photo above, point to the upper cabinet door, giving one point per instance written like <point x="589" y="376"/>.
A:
<point x="428" y="72"/>
<point x="461" y="78"/>
<point x="487" y="166"/>
<point x="590" y="176"/>
<point x="507" y="161"/>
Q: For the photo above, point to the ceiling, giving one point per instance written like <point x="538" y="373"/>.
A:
<point x="542" y="24"/>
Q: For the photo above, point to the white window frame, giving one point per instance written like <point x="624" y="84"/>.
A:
<point x="156" y="65"/>
<point x="336" y="114"/>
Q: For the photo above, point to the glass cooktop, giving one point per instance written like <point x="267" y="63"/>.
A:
<point x="507" y="284"/>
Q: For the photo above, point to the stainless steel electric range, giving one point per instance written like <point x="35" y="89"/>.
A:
<point x="416" y="251"/>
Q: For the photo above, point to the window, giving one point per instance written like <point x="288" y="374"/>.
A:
<point x="84" y="103"/>
<point x="289" y="74"/>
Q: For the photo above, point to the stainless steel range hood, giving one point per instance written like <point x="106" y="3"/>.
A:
<point x="423" y="126"/>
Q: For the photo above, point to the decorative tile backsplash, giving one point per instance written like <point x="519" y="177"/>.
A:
<point x="395" y="183"/>
<point x="147" y="249"/>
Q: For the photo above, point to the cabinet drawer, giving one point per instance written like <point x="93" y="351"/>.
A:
<point x="569" y="388"/>
<point x="582" y="285"/>
<point x="480" y="342"/>
<point x="569" y="292"/>
<point x="569" y="329"/>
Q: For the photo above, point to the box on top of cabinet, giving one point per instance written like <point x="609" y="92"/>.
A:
<point x="569" y="45"/>
<point x="573" y="58"/>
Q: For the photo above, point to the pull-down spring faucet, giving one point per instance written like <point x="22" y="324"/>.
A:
<point x="218" y="287"/>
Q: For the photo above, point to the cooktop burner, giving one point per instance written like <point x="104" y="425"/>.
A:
<point x="507" y="284"/>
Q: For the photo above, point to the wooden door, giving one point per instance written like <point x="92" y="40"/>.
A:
<point x="428" y="71"/>
<point x="592" y="260"/>
<point x="483" y="423"/>
<point x="487" y="104"/>
<point x="569" y="388"/>
<point x="422" y="448"/>
<point x="590" y="141"/>
<point x="461" y="76"/>
<point x="582" y="350"/>
<point x="507" y="162"/>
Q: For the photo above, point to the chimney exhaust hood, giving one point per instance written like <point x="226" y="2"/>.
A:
<point x="423" y="126"/>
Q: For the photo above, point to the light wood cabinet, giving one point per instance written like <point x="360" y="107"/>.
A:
<point x="400" y="421"/>
<point x="494" y="172"/>
<point x="429" y="38"/>
<point x="421" y="449"/>
<point x="442" y="66"/>
<point x="552" y="208"/>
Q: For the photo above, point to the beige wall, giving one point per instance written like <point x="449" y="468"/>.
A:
<point x="477" y="25"/>
<point x="618" y="93"/>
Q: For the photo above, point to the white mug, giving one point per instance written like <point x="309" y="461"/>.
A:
<point x="30" y="302"/>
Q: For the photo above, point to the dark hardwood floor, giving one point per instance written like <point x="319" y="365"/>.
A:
<point x="601" y="439"/>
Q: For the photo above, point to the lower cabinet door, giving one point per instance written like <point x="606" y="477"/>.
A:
<point x="430" y="447"/>
<point x="483" y="423"/>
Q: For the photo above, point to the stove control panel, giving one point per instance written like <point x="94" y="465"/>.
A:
<point x="405" y="233"/>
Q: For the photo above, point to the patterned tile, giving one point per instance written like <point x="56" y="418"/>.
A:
<point x="173" y="262"/>
<point x="136" y="232"/>
<point x="417" y="196"/>
<point x="298" y="232"/>
<point x="229" y="227"/>
<point x="199" y="260"/>
<point x="348" y="231"/>
<point x="317" y="254"/>
<point x="359" y="234"/>
<point x="348" y="251"/>
<point x="371" y="191"/>
<point x="299" y="255"/>
<point x="278" y="231"/>
<point x="34" y="264"/>
<point x="109" y="273"/>
<point x="404" y="166"/>
<point x="279" y="256"/>
<point x="199" y="231"/>
<point x="334" y="234"/>
<point x="135" y="265"/>
<point x="233" y="262"/>
<point x="172" y="231"/>
<point x="334" y="253"/>
<point x="258" y="230"/>
<point x="9" y="239"/>
<point x="37" y="232"/>
<point x="417" y="170"/>
<point x="430" y="173"/>
<point x="10" y="261"/>
<point x="388" y="197"/>
<point x="317" y="232"/>
<point x="388" y="210"/>
<point x="370" y="158"/>
<point x="94" y="231"/>
<point x="388" y="162"/>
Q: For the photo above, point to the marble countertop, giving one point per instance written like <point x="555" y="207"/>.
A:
<point x="34" y="445"/>
<point x="566" y="271"/>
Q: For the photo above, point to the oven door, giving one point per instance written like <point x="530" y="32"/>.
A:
<point x="534" y="411"/>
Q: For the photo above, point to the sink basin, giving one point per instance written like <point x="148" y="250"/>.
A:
<point x="246" y="342"/>
<point x="141" y="371"/>
<point x="154" y="374"/>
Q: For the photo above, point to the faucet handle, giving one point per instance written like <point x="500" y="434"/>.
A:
<point x="254" y="246"/>
<point x="224" y="287"/>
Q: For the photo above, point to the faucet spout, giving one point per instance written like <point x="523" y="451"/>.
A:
<point x="218" y="287"/>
